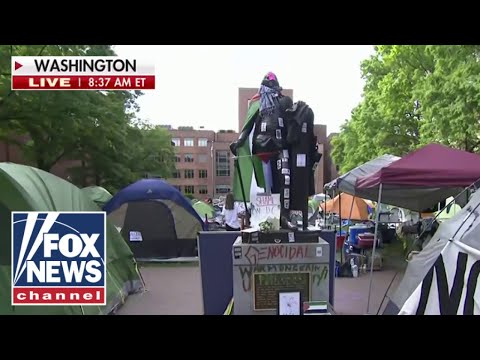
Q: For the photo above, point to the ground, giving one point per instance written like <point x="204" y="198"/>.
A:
<point x="175" y="289"/>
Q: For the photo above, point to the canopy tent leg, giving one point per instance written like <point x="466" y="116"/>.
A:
<point x="339" y="216"/>
<point x="375" y="236"/>
<point x="349" y="219"/>
<point x="325" y="210"/>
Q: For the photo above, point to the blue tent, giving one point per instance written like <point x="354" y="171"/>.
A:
<point x="155" y="219"/>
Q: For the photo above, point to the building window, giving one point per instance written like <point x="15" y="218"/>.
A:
<point x="178" y="158"/>
<point x="176" y="174"/>
<point x="189" y="189"/>
<point x="188" y="158"/>
<point x="202" y="174"/>
<point x="179" y="188"/>
<point x="189" y="174"/>
<point x="176" y="142"/>
<point x="203" y="190"/>
<point x="202" y="158"/>
<point x="188" y="142"/>
<point x="222" y="163"/>
<point x="222" y="189"/>
<point x="203" y="142"/>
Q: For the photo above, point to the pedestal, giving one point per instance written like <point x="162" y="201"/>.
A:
<point x="262" y="270"/>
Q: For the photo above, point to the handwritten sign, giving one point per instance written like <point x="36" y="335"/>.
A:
<point x="264" y="206"/>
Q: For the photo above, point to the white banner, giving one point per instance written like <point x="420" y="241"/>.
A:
<point x="451" y="287"/>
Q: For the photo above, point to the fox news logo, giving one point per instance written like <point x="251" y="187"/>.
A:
<point x="58" y="258"/>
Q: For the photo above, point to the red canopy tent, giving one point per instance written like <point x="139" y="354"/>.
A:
<point x="431" y="166"/>
<point x="421" y="179"/>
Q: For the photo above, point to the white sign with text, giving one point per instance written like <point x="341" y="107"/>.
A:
<point x="264" y="206"/>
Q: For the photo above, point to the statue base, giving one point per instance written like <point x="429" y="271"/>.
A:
<point x="253" y="236"/>
<point x="264" y="271"/>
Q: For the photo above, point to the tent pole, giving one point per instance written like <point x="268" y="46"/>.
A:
<point x="349" y="219"/>
<point x="374" y="245"/>
<point x="325" y="210"/>
<point x="339" y="215"/>
<point x="247" y="213"/>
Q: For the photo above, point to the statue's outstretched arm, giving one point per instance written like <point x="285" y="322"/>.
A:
<point x="247" y="129"/>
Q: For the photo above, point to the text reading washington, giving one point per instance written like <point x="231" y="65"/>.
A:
<point x="86" y="65"/>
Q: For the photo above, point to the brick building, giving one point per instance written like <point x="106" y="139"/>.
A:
<point x="203" y="161"/>
<point x="12" y="153"/>
<point x="330" y="167"/>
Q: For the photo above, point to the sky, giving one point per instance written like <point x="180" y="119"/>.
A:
<point x="198" y="85"/>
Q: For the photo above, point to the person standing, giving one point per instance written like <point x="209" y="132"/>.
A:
<point x="231" y="214"/>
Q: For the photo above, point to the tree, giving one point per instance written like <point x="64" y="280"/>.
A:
<point x="99" y="128"/>
<point x="156" y="154"/>
<point x="450" y="98"/>
<point x="385" y="121"/>
<point x="56" y="121"/>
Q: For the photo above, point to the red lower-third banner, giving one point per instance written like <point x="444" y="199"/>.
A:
<point x="37" y="82"/>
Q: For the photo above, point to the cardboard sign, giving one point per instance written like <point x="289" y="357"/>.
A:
<point x="265" y="206"/>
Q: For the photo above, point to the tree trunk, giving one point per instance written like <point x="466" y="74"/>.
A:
<point x="84" y="174"/>
<point x="43" y="165"/>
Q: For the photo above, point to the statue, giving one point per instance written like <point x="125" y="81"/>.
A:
<point x="278" y="147"/>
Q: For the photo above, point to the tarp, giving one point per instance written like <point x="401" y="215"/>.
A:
<point x="98" y="194"/>
<point x="443" y="277"/>
<point x="155" y="219"/>
<point x="346" y="182"/>
<point x="422" y="178"/>
<point x="24" y="188"/>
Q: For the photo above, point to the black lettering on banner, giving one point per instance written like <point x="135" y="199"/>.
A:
<point x="426" y="284"/>
<point x="448" y="302"/>
<point x="471" y="288"/>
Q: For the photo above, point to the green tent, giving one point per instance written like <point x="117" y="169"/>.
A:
<point x="24" y="188"/>
<point x="313" y="205"/>
<point x="203" y="209"/>
<point x="449" y="211"/>
<point x="98" y="194"/>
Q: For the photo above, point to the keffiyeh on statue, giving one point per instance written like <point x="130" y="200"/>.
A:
<point x="269" y="93"/>
<point x="263" y="150"/>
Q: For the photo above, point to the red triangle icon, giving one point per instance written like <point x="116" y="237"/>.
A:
<point x="17" y="65"/>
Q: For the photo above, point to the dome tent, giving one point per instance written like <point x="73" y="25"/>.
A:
<point x="156" y="220"/>
<point x="25" y="188"/>
<point x="203" y="209"/>
<point x="98" y="194"/>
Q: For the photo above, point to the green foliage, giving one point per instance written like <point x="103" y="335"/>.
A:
<point x="445" y="82"/>
<point x="98" y="128"/>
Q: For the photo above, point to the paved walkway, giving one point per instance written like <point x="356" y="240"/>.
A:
<point x="171" y="290"/>
<point x="176" y="290"/>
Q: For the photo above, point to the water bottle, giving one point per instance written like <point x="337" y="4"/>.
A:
<point x="354" y="268"/>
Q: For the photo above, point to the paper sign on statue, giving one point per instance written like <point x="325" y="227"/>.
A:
<point x="265" y="206"/>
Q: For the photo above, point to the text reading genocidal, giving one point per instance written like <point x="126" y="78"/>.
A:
<point x="86" y="65"/>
